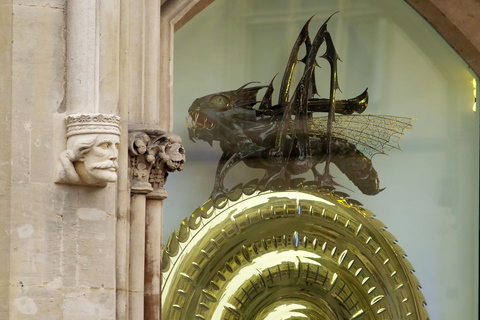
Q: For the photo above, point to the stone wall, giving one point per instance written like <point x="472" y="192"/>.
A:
<point x="57" y="242"/>
<point x="5" y="155"/>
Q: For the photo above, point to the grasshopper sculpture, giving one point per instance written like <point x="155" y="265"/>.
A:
<point x="288" y="139"/>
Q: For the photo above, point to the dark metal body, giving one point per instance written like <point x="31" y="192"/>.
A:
<point x="279" y="138"/>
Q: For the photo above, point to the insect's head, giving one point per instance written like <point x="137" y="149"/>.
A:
<point x="210" y="117"/>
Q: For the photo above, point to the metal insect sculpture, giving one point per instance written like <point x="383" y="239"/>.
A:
<point x="287" y="139"/>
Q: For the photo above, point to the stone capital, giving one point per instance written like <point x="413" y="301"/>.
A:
<point x="153" y="154"/>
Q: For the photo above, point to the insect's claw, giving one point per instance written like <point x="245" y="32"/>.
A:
<point x="277" y="180"/>
<point x="327" y="180"/>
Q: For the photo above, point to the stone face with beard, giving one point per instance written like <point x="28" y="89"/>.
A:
<point x="99" y="164"/>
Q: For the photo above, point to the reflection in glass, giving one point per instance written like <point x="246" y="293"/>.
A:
<point x="431" y="198"/>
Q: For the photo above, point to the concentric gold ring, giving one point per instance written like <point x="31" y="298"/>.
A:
<point x="287" y="255"/>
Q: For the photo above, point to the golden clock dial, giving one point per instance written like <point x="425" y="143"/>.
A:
<point x="287" y="255"/>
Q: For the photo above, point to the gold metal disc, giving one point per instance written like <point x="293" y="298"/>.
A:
<point x="287" y="255"/>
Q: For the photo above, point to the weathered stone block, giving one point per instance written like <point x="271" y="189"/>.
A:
<point x="89" y="239"/>
<point x="4" y="248"/>
<point x="83" y="303"/>
<point x="43" y="302"/>
<point x="41" y="149"/>
<point x="96" y="248"/>
<point x="103" y="199"/>
<point x="35" y="230"/>
<point x="5" y="170"/>
<point x="53" y="4"/>
<point x="4" y="296"/>
<point x="38" y="59"/>
<point x="20" y="147"/>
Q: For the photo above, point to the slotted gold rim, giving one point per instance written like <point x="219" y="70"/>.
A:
<point x="287" y="255"/>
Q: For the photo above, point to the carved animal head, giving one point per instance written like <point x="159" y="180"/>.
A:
<point x="215" y="117"/>
<point x="174" y="154"/>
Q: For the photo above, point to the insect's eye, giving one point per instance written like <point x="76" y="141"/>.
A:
<point x="219" y="101"/>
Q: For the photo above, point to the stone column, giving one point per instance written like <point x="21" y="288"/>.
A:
<point x="137" y="255"/>
<point x="148" y="118"/>
<point x="153" y="249"/>
<point x="153" y="153"/>
<point x="93" y="56"/>
<point x="90" y="226"/>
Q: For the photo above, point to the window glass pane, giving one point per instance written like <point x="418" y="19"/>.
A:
<point x="431" y="198"/>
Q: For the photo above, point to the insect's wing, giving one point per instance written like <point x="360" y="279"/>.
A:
<point x="372" y="134"/>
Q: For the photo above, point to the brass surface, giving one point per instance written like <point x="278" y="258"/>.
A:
<point x="296" y="254"/>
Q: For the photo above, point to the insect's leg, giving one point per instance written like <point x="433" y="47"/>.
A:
<point x="332" y="57"/>
<point x="274" y="171"/>
<point x="228" y="161"/>
<point x="218" y="186"/>
<point x="277" y="180"/>
<point x="273" y="174"/>
<point x="317" y="176"/>
<point x="325" y="179"/>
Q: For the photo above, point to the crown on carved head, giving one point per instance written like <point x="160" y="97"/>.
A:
<point x="92" y="123"/>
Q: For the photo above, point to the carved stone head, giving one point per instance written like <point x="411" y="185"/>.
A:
<point x="173" y="154"/>
<point x="92" y="150"/>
